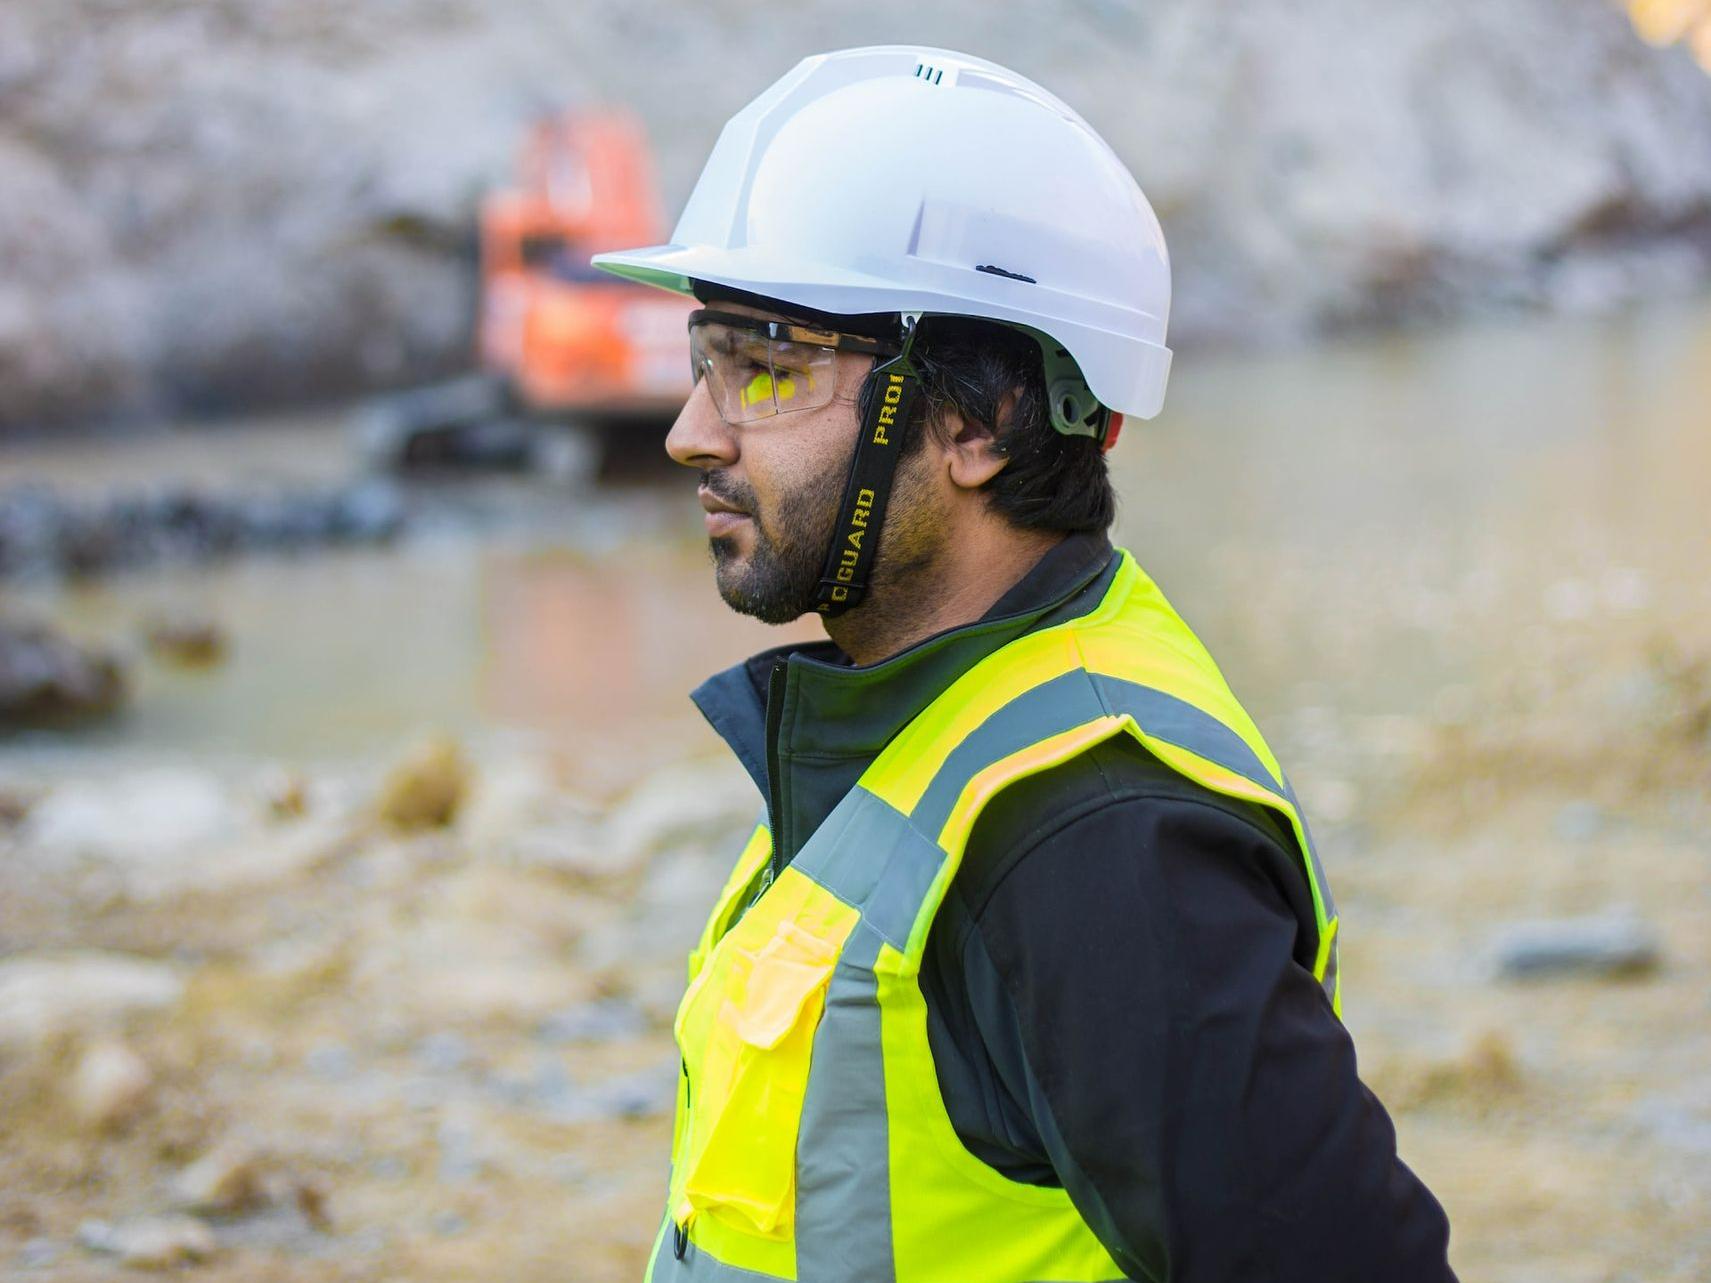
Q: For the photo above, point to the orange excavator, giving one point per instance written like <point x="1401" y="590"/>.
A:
<point x="561" y="347"/>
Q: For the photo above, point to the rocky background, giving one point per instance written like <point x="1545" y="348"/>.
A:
<point x="218" y="204"/>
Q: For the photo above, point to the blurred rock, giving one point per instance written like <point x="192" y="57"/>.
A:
<point x="332" y="1060"/>
<point x="1680" y="1121"/>
<point x="1608" y="944"/>
<point x="43" y="995"/>
<point x="110" y="1085"/>
<point x="229" y="1179"/>
<point x="47" y="679"/>
<point x="443" y="1052"/>
<point x="646" y="1093"/>
<point x="711" y="804"/>
<point x="45" y="535"/>
<point x="150" y="1242"/>
<point x="186" y="641"/>
<point x="1578" y="821"/>
<point x="518" y="812"/>
<point x="482" y="945"/>
<point x="238" y="1178"/>
<point x="1484" y="1076"/>
<point x="450" y="1224"/>
<point x="658" y="990"/>
<point x="371" y="511"/>
<point x="680" y="889"/>
<point x="285" y="794"/>
<point x="426" y="789"/>
<point x="16" y="800"/>
<point x="38" y="1254"/>
<point x="462" y="1152"/>
<point x="604" y="1020"/>
<point x="145" y="816"/>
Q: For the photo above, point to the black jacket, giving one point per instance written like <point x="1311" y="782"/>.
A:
<point x="1118" y="986"/>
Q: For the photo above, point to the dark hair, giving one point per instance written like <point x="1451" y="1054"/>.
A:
<point x="967" y="364"/>
<point x="1053" y="481"/>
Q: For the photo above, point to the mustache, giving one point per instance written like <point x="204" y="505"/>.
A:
<point x="723" y="487"/>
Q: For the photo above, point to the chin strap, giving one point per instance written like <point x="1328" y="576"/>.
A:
<point x="849" y="561"/>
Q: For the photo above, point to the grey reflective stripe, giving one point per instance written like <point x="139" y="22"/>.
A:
<point x="1053" y="705"/>
<point x="1074" y="699"/>
<point x="1329" y="905"/>
<point x="1165" y="717"/>
<point x="843" y="1159"/>
<point x="1078" y="697"/>
<point x="868" y="855"/>
<point x="697" y="1266"/>
<point x="1313" y="854"/>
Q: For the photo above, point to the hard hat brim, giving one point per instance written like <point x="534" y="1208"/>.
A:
<point x="1126" y="372"/>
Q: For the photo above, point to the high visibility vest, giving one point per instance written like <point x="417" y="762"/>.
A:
<point x="811" y="1141"/>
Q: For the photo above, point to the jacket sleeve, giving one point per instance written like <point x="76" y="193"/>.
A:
<point x="1195" y="1094"/>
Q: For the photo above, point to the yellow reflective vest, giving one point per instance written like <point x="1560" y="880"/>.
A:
<point x="811" y="1141"/>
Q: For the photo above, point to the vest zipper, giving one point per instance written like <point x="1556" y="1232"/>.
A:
<point x="680" y="1233"/>
<point x="774" y="722"/>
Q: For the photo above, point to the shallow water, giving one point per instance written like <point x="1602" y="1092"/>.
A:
<point x="1352" y="525"/>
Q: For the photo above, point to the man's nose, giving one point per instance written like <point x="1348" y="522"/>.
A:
<point x="700" y="438"/>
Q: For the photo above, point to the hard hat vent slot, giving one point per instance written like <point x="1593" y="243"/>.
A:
<point x="930" y="74"/>
<point x="994" y="270"/>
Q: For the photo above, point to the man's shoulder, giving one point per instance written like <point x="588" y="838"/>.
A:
<point x="1116" y="788"/>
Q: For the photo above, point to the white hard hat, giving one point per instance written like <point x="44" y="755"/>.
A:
<point x="906" y="179"/>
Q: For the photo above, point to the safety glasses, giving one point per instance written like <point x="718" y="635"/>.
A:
<point x="756" y="369"/>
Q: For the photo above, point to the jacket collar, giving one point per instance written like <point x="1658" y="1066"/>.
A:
<point x="821" y="719"/>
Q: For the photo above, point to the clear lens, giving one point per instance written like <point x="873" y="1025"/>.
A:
<point x="752" y="376"/>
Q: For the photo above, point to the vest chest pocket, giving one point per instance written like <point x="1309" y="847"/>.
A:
<point x="749" y="1079"/>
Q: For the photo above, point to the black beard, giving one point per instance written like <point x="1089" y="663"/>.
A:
<point x="780" y="580"/>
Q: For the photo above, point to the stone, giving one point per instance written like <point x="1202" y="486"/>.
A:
<point x="38" y="1254"/>
<point x="710" y="803"/>
<point x="45" y="995"/>
<point x="150" y="1242"/>
<point x="186" y="641"/>
<point x="48" y="679"/>
<point x="16" y="802"/>
<point x="426" y="789"/>
<point x="154" y="815"/>
<point x="518" y="812"/>
<point x="1609" y="944"/>
<point x="1579" y="821"/>
<point x="645" y="1093"/>
<point x="230" y="1178"/>
<point x="603" y="1020"/>
<point x="110" y="1085"/>
<point x="372" y="511"/>
<point x="284" y="793"/>
<point x="238" y="1178"/>
<point x="330" y="1060"/>
<point x="462" y="1156"/>
<point x="44" y="535"/>
<point x="450" y="1224"/>
<point x="443" y="1052"/>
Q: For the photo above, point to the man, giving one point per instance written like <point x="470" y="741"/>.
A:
<point x="1030" y="971"/>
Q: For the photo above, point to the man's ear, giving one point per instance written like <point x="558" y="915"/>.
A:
<point x="972" y="452"/>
